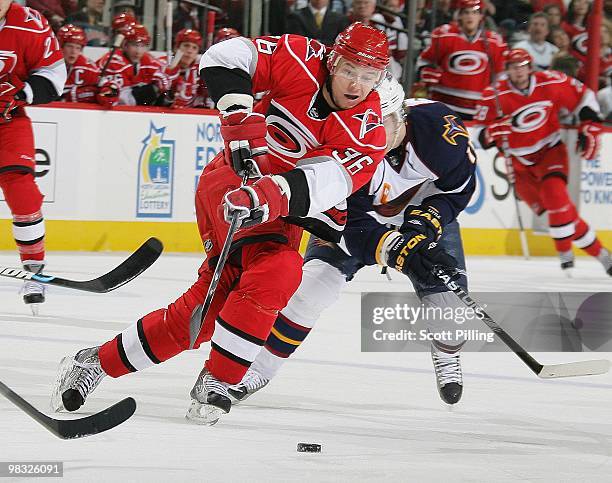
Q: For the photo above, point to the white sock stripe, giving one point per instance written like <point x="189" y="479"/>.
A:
<point x="133" y="348"/>
<point x="29" y="233"/>
<point x="564" y="231"/>
<point x="235" y="344"/>
<point x="586" y="239"/>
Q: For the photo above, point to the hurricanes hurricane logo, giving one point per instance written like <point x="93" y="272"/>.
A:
<point x="452" y="129"/>
<point x="531" y="117"/>
<point x="155" y="174"/>
<point x="369" y="121"/>
<point x="8" y="60"/>
<point x="467" y="62"/>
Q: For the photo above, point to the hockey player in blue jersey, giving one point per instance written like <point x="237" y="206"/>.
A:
<point x="426" y="180"/>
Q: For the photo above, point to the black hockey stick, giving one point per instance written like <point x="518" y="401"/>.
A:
<point x="212" y="288"/>
<point x="568" y="369"/>
<point x="75" y="428"/>
<point x="129" y="269"/>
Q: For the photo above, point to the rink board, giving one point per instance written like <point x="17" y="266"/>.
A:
<point x="114" y="178"/>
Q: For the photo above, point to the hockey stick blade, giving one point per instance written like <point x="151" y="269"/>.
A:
<point x="75" y="428"/>
<point x="573" y="369"/>
<point x="552" y="371"/>
<point x="129" y="269"/>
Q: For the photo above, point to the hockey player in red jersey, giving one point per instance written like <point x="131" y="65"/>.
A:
<point x="83" y="74"/>
<point x="317" y="137"/>
<point x="32" y="71"/>
<point x="462" y="60"/>
<point x="133" y="74"/>
<point x="522" y="118"/>
<point x="187" y="88"/>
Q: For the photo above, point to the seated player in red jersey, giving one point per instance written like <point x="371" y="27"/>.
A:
<point x="83" y="74"/>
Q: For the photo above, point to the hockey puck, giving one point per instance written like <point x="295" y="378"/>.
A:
<point x="308" y="448"/>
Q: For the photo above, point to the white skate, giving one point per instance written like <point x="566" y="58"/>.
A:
<point x="33" y="292"/>
<point x="252" y="382"/>
<point x="77" y="377"/>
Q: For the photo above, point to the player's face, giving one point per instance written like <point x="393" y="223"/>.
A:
<point x="470" y="19"/>
<point x="135" y="50"/>
<point x="71" y="52"/>
<point x="190" y="52"/>
<point x="351" y="83"/>
<point x="4" y="6"/>
<point x="519" y="74"/>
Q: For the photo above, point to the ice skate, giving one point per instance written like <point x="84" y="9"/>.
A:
<point x="252" y="382"/>
<point x="77" y="377"/>
<point x="33" y="292"/>
<point x="209" y="400"/>
<point x="606" y="260"/>
<point x="567" y="263"/>
<point x="448" y="375"/>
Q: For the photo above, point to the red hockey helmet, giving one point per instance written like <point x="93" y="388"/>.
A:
<point x="122" y="20"/>
<point x="225" y="34"/>
<point x="470" y="5"/>
<point x="136" y="32"/>
<point x="361" y="44"/>
<point x="188" y="35"/>
<point x="518" y="56"/>
<point x="71" y="34"/>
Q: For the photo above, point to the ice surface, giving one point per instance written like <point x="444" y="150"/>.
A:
<point x="377" y="416"/>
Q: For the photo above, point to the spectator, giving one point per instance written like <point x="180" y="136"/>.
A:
<point x="89" y="18"/>
<point x="55" y="11"/>
<point x="555" y="15"/>
<point x="542" y="5"/>
<point x="517" y="10"/>
<point x="560" y="39"/>
<point x="362" y="11"/>
<point x="185" y="17"/>
<point x="442" y="15"/>
<point x="605" y="57"/>
<point x="317" y="21"/>
<point x="459" y="64"/>
<point x="124" y="6"/>
<point x="566" y="63"/>
<point x="398" y="41"/>
<point x="608" y="9"/>
<point x="575" y="25"/>
<point x="540" y="50"/>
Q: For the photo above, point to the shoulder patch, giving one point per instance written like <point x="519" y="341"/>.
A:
<point x="452" y="129"/>
<point x="370" y="120"/>
<point x="314" y="49"/>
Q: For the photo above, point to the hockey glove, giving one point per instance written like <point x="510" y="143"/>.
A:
<point x="497" y="131"/>
<point x="161" y="81"/>
<point x="589" y="142"/>
<point x="431" y="75"/>
<point x="265" y="200"/>
<point x="108" y="95"/>
<point x="422" y="219"/>
<point x="11" y="97"/>
<point x="244" y="134"/>
<point x="423" y="262"/>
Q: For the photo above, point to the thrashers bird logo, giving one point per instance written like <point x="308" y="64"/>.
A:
<point x="452" y="129"/>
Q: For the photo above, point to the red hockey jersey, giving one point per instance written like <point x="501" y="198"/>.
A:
<point x="337" y="151"/>
<point x="82" y="82"/>
<point x="28" y="45"/>
<point x="466" y="65"/>
<point x="535" y="114"/>
<point x="187" y="87"/>
<point x="125" y="74"/>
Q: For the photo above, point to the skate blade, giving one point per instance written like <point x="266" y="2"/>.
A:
<point x="203" y="414"/>
<point x="35" y="308"/>
<point x="65" y="366"/>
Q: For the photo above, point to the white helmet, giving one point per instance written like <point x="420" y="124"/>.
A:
<point x="391" y="95"/>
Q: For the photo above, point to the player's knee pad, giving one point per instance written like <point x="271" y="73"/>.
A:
<point x="319" y="289"/>
<point x="554" y="193"/>
<point x="21" y="192"/>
